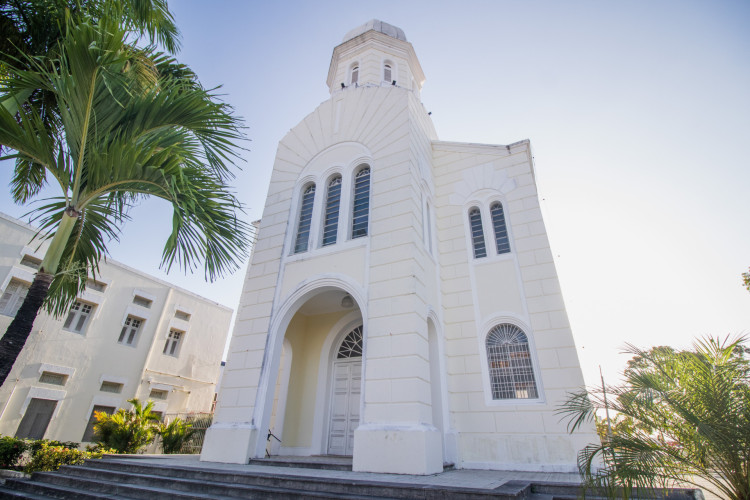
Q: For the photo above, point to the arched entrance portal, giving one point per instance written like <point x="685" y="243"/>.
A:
<point x="318" y="387"/>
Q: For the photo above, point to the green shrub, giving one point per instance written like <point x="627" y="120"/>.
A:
<point x="126" y="431"/>
<point x="50" y="457"/>
<point x="11" y="450"/>
<point x="35" y="446"/>
<point x="174" y="435"/>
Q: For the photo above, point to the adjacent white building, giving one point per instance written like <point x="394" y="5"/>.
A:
<point x="128" y="335"/>
<point x="402" y="305"/>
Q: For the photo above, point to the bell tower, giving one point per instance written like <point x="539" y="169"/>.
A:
<point x="375" y="54"/>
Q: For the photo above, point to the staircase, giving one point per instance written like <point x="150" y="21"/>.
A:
<point x="121" y="479"/>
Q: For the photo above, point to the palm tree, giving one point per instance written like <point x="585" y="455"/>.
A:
<point x="35" y="28"/>
<point x="132" y="123"/>
<point x="690" y="412"/>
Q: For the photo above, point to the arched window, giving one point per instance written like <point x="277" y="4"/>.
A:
<point x="331" y="221"/>
<point x="361" y="205"/>
<point x="477" y="233"/>
<point x="387" y="73"/>
<point x="305" y="219"/>
<point x="355" y="75"/>
<point x="351" y="346"/>
<point x="501" y="232"/>
<point x="509" y="361"/>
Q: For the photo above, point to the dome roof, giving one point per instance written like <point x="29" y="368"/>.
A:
<point x="374" y="24"/>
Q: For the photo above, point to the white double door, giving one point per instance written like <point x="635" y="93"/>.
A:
<point x="345" y="396"/>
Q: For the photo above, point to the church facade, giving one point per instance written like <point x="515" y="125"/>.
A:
<point x="402" y="305"/>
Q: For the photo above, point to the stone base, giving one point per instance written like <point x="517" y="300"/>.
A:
<point x="229" y="443"/>
<point x="413" y="449"/>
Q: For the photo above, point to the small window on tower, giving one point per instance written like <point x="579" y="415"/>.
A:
<point x="355" y="75"/>
<point x="387" y="73"/>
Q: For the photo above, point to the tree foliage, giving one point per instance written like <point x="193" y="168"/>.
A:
<point x="116" y="123"/>
<point x="689" y="417"/>
<point x="126" y="431"/>
<point x="174" y="435"/>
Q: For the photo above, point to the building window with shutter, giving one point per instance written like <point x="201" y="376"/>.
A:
<point x="502" y="243"/>
<point x="130" y="331"/>
<point x="387" y="72"/>
<point x="354" y="75"/>
<point x="172" y="345"/>
<point x="78" y="317"/>
<point x="361" y="205"/>
<point x="477" y="233"/>
<point x="331" y="220"/>
<point x="13" y="297"/>
<point x="302" y="239"/>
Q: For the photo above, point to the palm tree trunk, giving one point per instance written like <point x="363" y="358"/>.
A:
<point x="20" y="328"/>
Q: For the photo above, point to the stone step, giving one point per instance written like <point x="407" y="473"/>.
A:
<point x="303" y="464"/>
<point x="312" y="484"/>
<point x="197" y="488"/>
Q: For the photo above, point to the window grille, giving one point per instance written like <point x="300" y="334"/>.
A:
<point x="477" y="233"/>
<point x="142" y="301"/>
<point x="387" y="74"/>
<point x="13" y="297"/>
<point x="111" y="387"/>
<point x="509" y="361"/>
<point x="351" y="346"/>
<point x="78" y="317"/>
<point x="331" y="222"/>
<point x="305" y="219"/>
<point x="502" y="243"/>
<point x="361" y="207"/>
<point x="172" y="345"/>
<point x="53" y="378"/>
<point x="32" y="262"/>
<point x="158" y="394"/>
<point x="182" y="315"/>
<point x="355" y="75"/>
<point x="129" y="332"/>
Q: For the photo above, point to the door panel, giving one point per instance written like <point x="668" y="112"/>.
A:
<point x="36" y="419"/>
<point x="345" y="400"/>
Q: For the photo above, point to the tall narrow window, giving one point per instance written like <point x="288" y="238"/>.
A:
<point x="78" y="317"/>
<point x="331" y="222"/>
<point x="387" y="73"/>
<point x="361" y="207"/>
<point x="305" y="219"/>
<point x="501" y="231"/>
<point x="13" y="297"/>
<point x="355" y="75"/>
<point x="477" y="233"/>
<point x="509" y="361"/>
<point x="129" y="332"/>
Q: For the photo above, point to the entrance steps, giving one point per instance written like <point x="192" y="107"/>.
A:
<point x="148" y="479"/>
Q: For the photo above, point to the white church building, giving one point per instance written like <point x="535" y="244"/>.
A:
<point x="402" y="305"/>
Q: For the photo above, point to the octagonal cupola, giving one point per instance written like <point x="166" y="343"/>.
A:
<point x="375" y="54"/>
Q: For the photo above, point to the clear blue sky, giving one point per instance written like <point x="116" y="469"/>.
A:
<point x="638" y="113"/>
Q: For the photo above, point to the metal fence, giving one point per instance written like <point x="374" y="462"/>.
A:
<point x="199" y="422"/>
